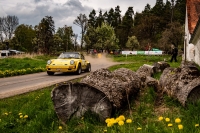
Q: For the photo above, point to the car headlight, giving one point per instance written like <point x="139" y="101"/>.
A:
<point x="49" y="62"/>
<point x="71" y="62"/>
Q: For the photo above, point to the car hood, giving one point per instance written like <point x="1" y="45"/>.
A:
<point x="63" y="61"/>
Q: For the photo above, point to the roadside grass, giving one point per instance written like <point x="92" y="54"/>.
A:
<point x="148" y="113"/>
<point x="22" y="64"/>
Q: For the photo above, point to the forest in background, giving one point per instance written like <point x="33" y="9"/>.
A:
<point x="158" y="26"/>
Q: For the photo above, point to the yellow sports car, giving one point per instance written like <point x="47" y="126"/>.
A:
<point x="68" y="62"/>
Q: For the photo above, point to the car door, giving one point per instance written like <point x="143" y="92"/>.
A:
<point x="83" y="62"/>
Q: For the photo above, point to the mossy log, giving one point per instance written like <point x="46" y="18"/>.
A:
<point x="181" y="83"/>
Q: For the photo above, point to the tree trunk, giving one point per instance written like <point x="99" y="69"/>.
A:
<point x="101" y="92"/>
<point x="74" y="99"/>
<point x="181" y="83"/>
<point x="160" y="66"/>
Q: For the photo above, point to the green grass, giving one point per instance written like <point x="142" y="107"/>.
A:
<point x="20" y="63"/>
<point x="144" y="111"/>
<point x="14" y="66"/>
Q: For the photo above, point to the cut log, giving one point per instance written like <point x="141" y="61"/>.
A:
<point x="179" y="82"/>
<point x="101" y="92"/>
<point x="151" y="82"/>
<point x="160" y="66"/>
<point x="145" y="72"/>
<point x="117" y="85"/>
<point x="73" y="100"/>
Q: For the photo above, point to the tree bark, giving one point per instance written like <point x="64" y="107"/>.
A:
<point x="181" y="83"/>
<point x="117" y="85"/>
<point x="160" y="66"/>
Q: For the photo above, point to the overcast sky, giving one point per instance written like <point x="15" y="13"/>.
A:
<point x="64" y="12"/>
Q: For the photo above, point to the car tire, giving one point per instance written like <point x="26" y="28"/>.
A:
<point x="50" y="73"/>
<point x="88" y="69"/>
<point x="78" y="71"/>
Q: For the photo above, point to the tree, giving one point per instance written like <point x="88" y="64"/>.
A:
<point x="158" y="8"/>
<point x="90" y="38"/>
<point x="1" y="30"/>
<point x="66" y="34"/>
<point x="57" y="44"/>
<point x="117" y="17"/>
<point x="147" y="9"/>
<point x="111" y="18"/>
<point x="172" y="35"/>
<point x="132" y="42"/>
<point x="179" y="11"/>
<point x="147" y="28"/>
<point x="44" y="33"/>
<point x="8" y="26"/>
<point x="125" y="29"/>
<point x="82" y="22"/>
<point x="23" y="38"/>
<point x="100" y="19"/>
<point x="106" y="38"/>
<point x="92" y="18"/>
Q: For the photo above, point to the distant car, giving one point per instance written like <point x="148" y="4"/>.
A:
<point x="15" y="52"/>
<point x="68" y="62"/>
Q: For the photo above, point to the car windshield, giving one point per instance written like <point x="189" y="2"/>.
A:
<point x="69" y="56"/>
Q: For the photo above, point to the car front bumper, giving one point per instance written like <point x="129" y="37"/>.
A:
<point x="61" y="68"/>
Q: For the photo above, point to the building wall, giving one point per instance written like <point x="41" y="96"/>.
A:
<point x="197" y="54"/>
<point x="192" y="48"/>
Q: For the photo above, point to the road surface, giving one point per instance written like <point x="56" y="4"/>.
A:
<point x="12" y="86"/>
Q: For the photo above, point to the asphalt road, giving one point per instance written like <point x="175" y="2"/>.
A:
<point x="21" y="84"/>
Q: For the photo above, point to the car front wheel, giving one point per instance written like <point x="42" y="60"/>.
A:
<point x="78" y="71"/>
<point x="50" y="73"/>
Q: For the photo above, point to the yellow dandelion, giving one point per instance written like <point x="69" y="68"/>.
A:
<point x="170" y="125"/>
<point x="26" y="116"/>
<point x="167" y="119"/>
<point x="6" y="113"/>
<point x="109" y="124"/>
<point x="139" y="128"/>
<point x="121" y="117"/>
<point x="128" y="121"/>
<point x="196" y="125"/>
<point x="107" y="120"/>
<point x="21" y="116"/>
<point x="112" y="120"/>
<point x="60" y="127"/>
<point x="121" y="123"/>
<point x="180" y="127"/>
<point x="160" y="118"/>
<point x="117" y="119"/>
<point x="177" y="120"/>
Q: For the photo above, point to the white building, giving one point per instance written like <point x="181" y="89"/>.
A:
<point x="192" y="32"/>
